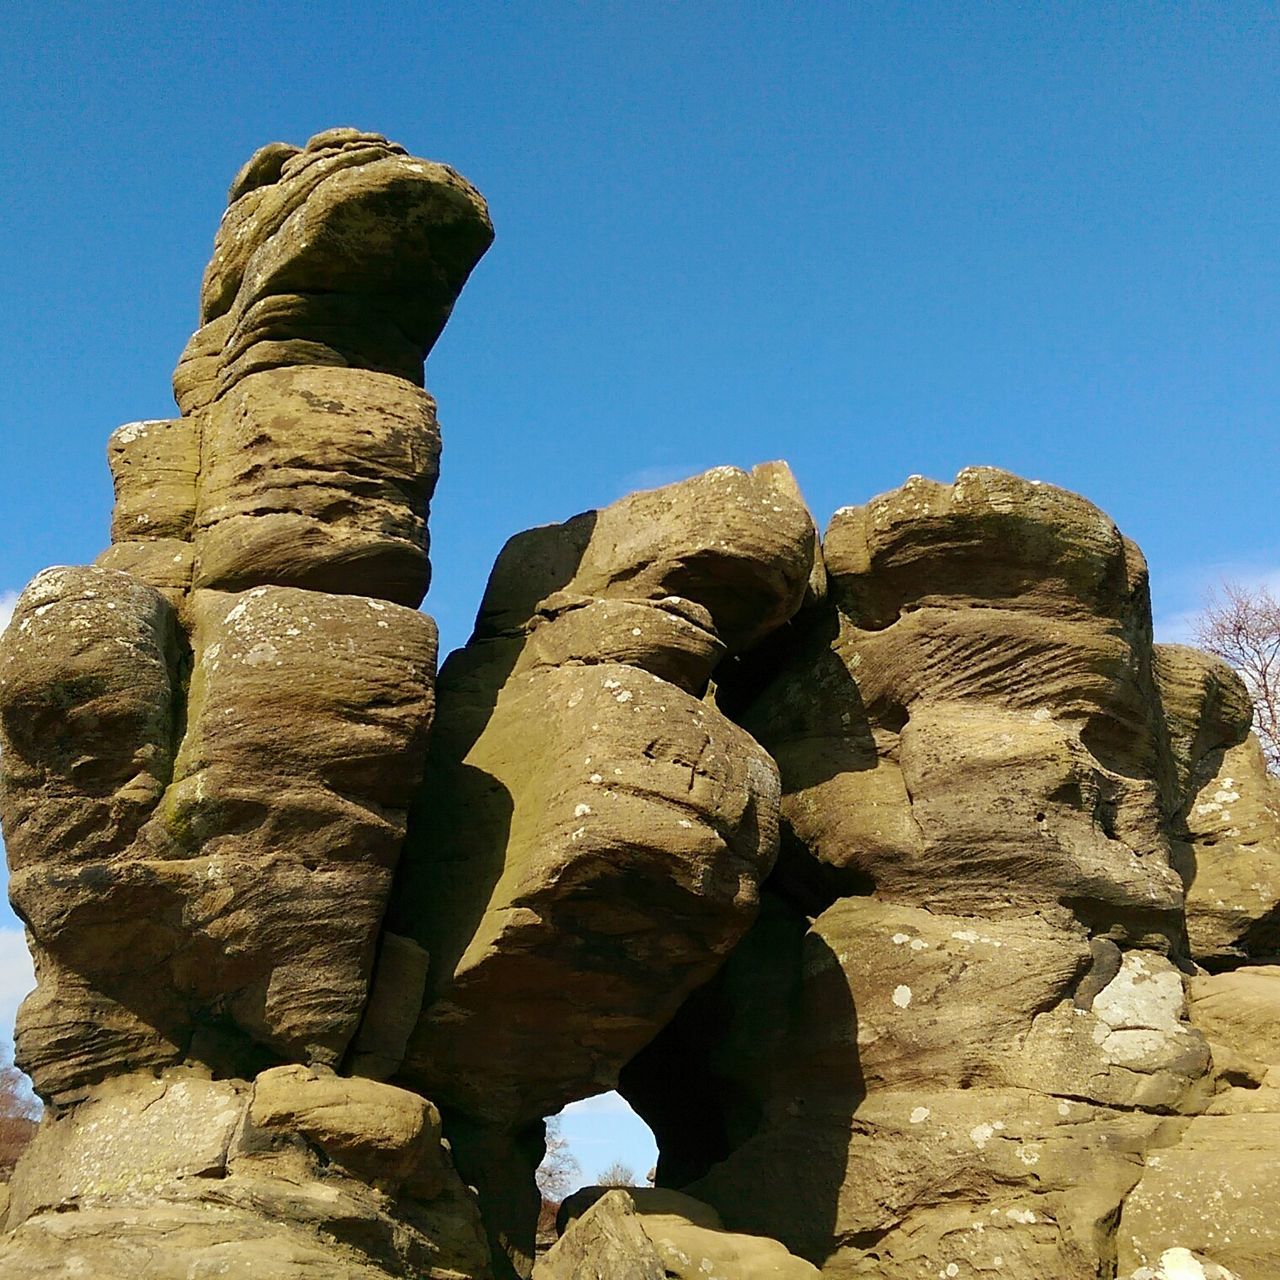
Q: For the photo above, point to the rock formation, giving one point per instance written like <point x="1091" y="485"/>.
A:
<point x="928" y="911"/>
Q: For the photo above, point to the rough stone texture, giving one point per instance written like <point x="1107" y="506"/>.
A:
<point x="645" y="1200"/>
<point x="350" y="254"/>
<point x="254" y="884"/>
<point x="607" y="1243"/>
<point x="292" y="1175"/>
<point x="534" y="877"/>
<point x="592" y="832"/>
<point x="961" y="1022"/>
<point x="1227" y="828"/>
<point x="642" y="1232"/>
<point x="1213" y="1194"/>
<point x="154" y="466"/>
<point x="1233" y="903"/>
<point x="320" y="478"/>
<point x="926" y="908"/>
<point x="692" y="1252"/>
<point x="209" y="743"/>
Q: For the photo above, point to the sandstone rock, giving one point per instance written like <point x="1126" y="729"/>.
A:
<point x="164" y="564"/>
<point x="319" y="478"/>
<point x="86" y="716"/>
<point x="959" y="1065"/>
<point x="591" y="832"/>
<point x="686" y="1235"/>
<point x="258" y="881"/>
<point x="879" y="874"/>
<point x="208" y="759"/>
<point x="1210" y="1195"/>
<point x="563" y="787"/>
<point x="184" y="1176"/>
<point x="391" y="1011"/>
<point x="1227" y="825"/>
<point x="626" y="781"/>
<point x="691" y="1252"/>
<point x="1239" y="1015"/>
<point x="878" y="1067"/>
<point x="1182" y="1264"/>
<point x="154" y="466"/>
<point x="1233" y="902"/>
<point x="386" y="1136"/>
<point x="645" y="1201"/>
<point x="957" y="697"/>
<point x="132" y="1141"/>
<point x="352" y="256"/>
<point x="1206" y="710"/>
<point x="607" y="1243"/>
<point x="282" y="828"/>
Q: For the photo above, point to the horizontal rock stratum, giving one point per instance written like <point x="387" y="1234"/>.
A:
<point x="927" y="910"/>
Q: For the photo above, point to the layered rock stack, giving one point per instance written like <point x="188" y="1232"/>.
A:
<point x="926" y="909"/>
<point x="211" y="740"/>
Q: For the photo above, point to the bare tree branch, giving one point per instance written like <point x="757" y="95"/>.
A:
<point x="1242" y="625"/>
<point x="19" y="1112"/>
<point x="559" y="1167"/>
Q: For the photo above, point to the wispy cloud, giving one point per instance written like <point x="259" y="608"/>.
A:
<point x="656" y="477"/>
<point x="16" y="978"/>
<point x="7" y="600"/>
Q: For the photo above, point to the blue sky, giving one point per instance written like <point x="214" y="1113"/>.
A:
<point x="873" y="239"/>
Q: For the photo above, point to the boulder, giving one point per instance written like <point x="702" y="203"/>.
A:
<point x="591" y="835"/>
<point x="1233" y="823"/>
<point x="352" y="255"/>
<point x="179" y="1176"/>
<point x="1208" y="1194"/>
<point x="962" y="1020"/>
<point x="607" y="1243"/>
<point x="209" y="745"/>
<point x="644" y="1232"/>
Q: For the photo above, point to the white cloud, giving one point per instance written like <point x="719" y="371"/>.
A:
<point x="656" y="477"/>
<point x="7" y="600"/>
<point x="16" y="978"/>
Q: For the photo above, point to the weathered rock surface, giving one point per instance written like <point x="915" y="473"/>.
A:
<point x="607" y="1243"/>
<point x="250" y="869"/>
<point x="592" y="833"/>
<point x="208" y="747"/>
<point x="320" y="478"/>
<point x="296" y="1174"/>
<point x="351" y="254"/>
<point x="1227" y="826"/>
<point x="927" y="909"/>
<point x="639" y="1233"/>
<point x="961" y="1024"/>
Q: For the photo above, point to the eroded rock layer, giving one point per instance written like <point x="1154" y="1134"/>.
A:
<point x="960" y="1031"/>
<point x="927" y="909"/>
<point x="209" y="743"/>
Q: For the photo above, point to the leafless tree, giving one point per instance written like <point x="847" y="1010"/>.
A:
<point x="1242" y="625"/>
<point x="617" y="1175"/>
<point x="19" y="1112"/>
<point x="558" y="1168"/>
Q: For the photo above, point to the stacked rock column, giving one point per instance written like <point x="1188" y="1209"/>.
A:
<point x="211" y="738"/>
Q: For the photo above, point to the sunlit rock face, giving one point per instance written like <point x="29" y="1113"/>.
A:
<point x="926" y="909"/>
<point x="210" y="741"/>
<point x="960" y="1027"/>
